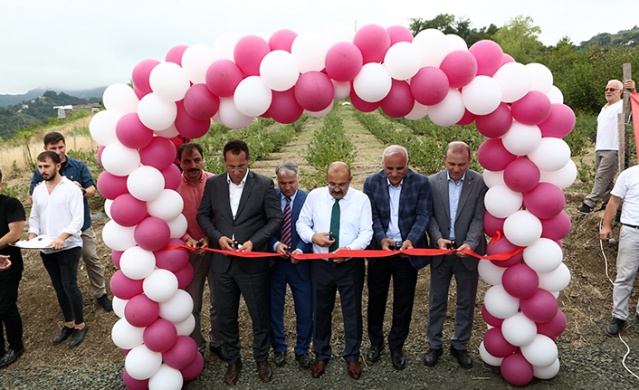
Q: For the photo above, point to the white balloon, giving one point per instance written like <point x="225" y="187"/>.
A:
<point x="493" y="178"/>
<point x="402" y="60"/>
<point x="482" y="95"/>
<point x="541" y="77"/>
<point x="455" y="42"/>
<point x="185" y="328"/>
<point x="499" y="303"/>
<point x="141" y="363"/>
<point x="309" y="49"/>
<point x="156" y="113"/>
<point x="120" y="98"/>
<point x="125" y="335"/>
<point x="167" y="206"/>
<point x="230" y="116"/>
<point x="449" y="111"/>
<point x="488" y="358"/>
<point x="118" y="237"/>
<point x="522" y="228"/>
<point x="515" y="81"/>
<point x="490" y="273"/>
<point x="102" y="127"/>
<point x="252" y="97"/>
<point x="160" y="285"/>
<point x="551" y="154"/>
<point x="195" y="62"/>
<point x="521" y="139"/>
<point x="562" y="178"/>
<point x="145" y="183"/>
<point x="541" y="351"/>
<point x="418" y="112"/>
<point x="319" y="114"/>
<point x="501" y="202"/>
<point x="178" y="226"/>
<point x="224" y="46"/>
<point x="137" y="263"/>
<point x="107" y="207"/>
<point x="178" y="308"/>
<point x="279" y="70"/>
<point x="556" y="280"/>
<point x="118" y="306"/>
<point x="169" y="81"/>
<point x="341" y="89"/>
<point x="433" y="46"/>
<point x="518" y="329"/>
<point x="544" y="255"/>
<point x="555" y="96"/>
<point x="372" y="83"/>
<point x="169" y="132"/>
<point x="547" y="372"/>
<point x="119" y="160"/>
<point x="166" y="378"/>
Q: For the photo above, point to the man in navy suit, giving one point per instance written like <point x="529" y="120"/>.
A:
<point x="457" y="223"/>
<point x="296" y="274"/>
<point x="401" y="206"/>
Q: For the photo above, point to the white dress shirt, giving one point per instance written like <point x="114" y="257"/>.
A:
<point x="235" y="192"/>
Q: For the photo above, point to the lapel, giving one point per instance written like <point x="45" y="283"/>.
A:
<point x="406" y="189"/>
<point x="246" y="193"/>
<point x="443" y="185"/>
<point x="223" y="194"/>
<point x="385" y="200"/>
<point x="465" y="193"/>
<point x="297" y="205"/>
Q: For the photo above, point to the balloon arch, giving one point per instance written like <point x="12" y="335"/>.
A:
<point x="515" y="106"/>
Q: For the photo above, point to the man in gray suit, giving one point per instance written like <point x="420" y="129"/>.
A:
<point x="457" y="223"/>
<point x="240" y="212"/>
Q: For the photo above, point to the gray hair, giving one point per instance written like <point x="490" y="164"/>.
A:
<point x="395" y="149"/>
<point x="288" y="167"/>
<point x="619" y="83"/>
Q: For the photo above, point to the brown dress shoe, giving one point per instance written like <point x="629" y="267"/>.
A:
<point x="264" y="371"/>
<point x="317" y="368"/>
<point x="232" y="373"/>
<point x="354" y="369"/>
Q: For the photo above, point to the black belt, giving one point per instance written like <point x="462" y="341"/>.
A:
<point x="630" y="226"/>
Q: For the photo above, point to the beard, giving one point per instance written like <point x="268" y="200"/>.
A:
<point x="52" y="177"/>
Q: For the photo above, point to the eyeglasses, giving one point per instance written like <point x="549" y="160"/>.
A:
<point x="340" y="186"/>
<point x="611" y="89"/>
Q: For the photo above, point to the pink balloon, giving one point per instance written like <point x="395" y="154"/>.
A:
<point x="467" y="119"/>
<point x="131" y="132"/>
<point x="490" y="319"/>
<point x="188" y="126"/>
<point x="460" y="67"/>
<point x="557" y="227"/>
<point x="314" y="91"/>
<point x="520" y="281"/>
<point x="175" y="54"/>
<point x="172" y="177"/>
<point x="559" y="123"/>
<point x="127" y="210"/>
<point x="399" y="102"/>
<point x="343" y="61"/>
<point x="181" y="354"/>
<point x="185" y="276"/>
<point x="495" y="124"/>
<point x="248" y="54"/>
<point x="222" y="77"/>
<point x="115" y="257"/>
<point x="502" y="246"/>
<point x="521" y="175"/>
<point x="362" y="105"/>
<point x="284" y="107"/>
<point x="200" y="103"/>
<point x="429" y="86"/>
<point x="493" y="156"/>
<point x="496" y="344"/>
<point x="399" y="34"/>
<point x="123" y="287"/>
<point x="194" y="369"/>
<point x="545" y="200"/>
<point x="152" y="234"/>
<point x="160" y="335"/>
<point x="141" y="311"/>
<point x="132" y="383"/>
<point x="492" y="224"/>
<point x="100" y="150"/>
<point x="507" y="58"/>
<point x="139" y="93"/>
<point x="554" y="327"/>
<point x="282" y="40"/>
<point x="541" y="306"/>
<point x="532" y="109"/>
<point x="373" y="41"/>
<point x="172" y="259"/>
<point x="159" y="153"/>
<point x="140" y="75"/>
<point x="489" y="56"/>
<point x="516" y="370"/>
<point x="111" y="186"/>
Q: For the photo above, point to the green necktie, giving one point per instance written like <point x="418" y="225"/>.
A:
<point x="335" y="215"/>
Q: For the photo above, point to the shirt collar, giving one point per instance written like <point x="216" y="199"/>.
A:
<point x="401" y="183"/>
<point x="228" y="178"/>
<point x="449" y="179"/>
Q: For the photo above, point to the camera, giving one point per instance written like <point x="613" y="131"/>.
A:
<point x="451" y="245"/>
<point x="397" y="245"/>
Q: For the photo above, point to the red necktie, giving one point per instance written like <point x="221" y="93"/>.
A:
<point x="286" y="228"/>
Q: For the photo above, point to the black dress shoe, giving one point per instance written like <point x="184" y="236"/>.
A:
<point x="398" y="359"/>
<point x="233" y="373"/>
<point x="463" y="358"/>
<point x="105" y="303"/>
<point x="280" y="358"/>
<point x="304" y="360"/>
<point x="264" y="371"/>
<point x="373" y="354"/>
<point x="219" y="352"/>
<point x="64" y="334"/>
<point x="615" y="326"/>
<point x="11" y="356"/>
<point x="432" y="356"/>
<point x="78" y="336"/>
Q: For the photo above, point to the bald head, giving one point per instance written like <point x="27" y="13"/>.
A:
<point x="458" y="147"/>
<point x="457" y="158"/>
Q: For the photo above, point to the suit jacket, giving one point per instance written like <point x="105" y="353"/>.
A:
<point x="469" y="221"/>
<point x="415" y="208"/>
<point x="258" y="217"/>
<point x="303" y="267"/>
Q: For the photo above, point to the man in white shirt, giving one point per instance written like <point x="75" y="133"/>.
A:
<point x="58" y="212"/>
<point x="336" y="218"/>
<point x="607" y="145"/>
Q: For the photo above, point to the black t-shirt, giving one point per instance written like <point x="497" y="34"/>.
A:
<point x="11" y="210"/>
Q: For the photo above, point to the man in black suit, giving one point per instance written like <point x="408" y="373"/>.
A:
<point x="401" y="206"/>
<point x="240" y="212"/>
<point x="457" y="223"/>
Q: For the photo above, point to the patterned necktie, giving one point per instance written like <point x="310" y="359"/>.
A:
<point x="335" y="215"/>
<point x="286" y="228"/>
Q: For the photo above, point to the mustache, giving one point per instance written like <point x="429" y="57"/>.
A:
<point x="193" y="170"/>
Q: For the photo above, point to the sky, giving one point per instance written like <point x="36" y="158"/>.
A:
<point x="79" y="44"/>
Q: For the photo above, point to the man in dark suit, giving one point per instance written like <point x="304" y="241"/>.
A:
<point x="296" y="274"/>
<point x="401" y="206"/>
<point x="240" y="212"/>
<point x="457" y="223"/>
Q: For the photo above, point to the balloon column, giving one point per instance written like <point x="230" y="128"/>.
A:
<point x="239" y="78"/>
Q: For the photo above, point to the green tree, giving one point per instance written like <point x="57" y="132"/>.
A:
<point x="520" y="39"/>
